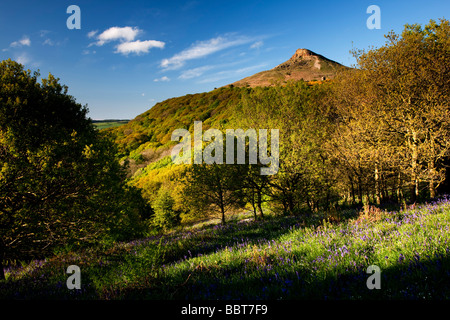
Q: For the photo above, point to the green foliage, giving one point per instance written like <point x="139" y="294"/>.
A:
<point x="278" y="258"/>
<point x="378" y="132"/>
<point x="60" y="181"/>
<point x="216" y="187"/>
<point x="157" y="124"/>
<point x="392" y="116"/>
<point x="105" y="124"/>
<point x="304" y="181"/>
<point x="166" y="216"/>
<point x="164" y="162"/>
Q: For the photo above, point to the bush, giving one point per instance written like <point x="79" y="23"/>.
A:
<point x="61" y="185"/>
<point x="166" y="216"/>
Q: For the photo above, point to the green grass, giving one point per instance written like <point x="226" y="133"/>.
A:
<point x="277" y="258"/>
<point x="104" y="124"/>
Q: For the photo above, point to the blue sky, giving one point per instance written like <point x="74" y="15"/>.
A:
<point x="129" y="55"/>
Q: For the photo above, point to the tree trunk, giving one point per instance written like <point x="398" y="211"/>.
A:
<point x="2" y="256"/>
<point x="222" y="205"/>
<point x="414" y="166"/>
<point x="259" y="201"/>
<point x="291" y="203"/>
<point x="254" y="207"/>
<point x="353" y="191"/>
<point x="309" y="203"/>
<point x="399" y="188"/>
<point x="384" y="190"/>
<point x="327" y="203"/>
<point x="222" y="209"/>
<point x="360" y="193"/>
<point x="432" y="185"/>
<point x="377" y="185"/>
<point x="432" y="190"/>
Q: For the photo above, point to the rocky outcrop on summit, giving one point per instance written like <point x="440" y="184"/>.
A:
<point x="303" y="65"/>
<point x="301" y="58"/>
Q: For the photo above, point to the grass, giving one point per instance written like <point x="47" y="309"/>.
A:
<point x="277" y="258"/>
<point x="104" y="124"/>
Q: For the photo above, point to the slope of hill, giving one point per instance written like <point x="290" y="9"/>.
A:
<point x="148" y="136"/>
<point x="280" y="258"/>
<point x="152" y="129"/>
<point x="303" y="65"/>
<point x="110" y="123"/>
<point x="145" y="142"/>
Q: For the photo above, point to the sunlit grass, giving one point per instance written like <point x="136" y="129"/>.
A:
<point x="277" y="258"/>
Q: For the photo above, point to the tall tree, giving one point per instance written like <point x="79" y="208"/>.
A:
<point x="304" y="179"/>
<point x="216" y="187"/>
<point x="397" y="100"/>
<point x="60" y="183"/>
<point x="255" y="187"/>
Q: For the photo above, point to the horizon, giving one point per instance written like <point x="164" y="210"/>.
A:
<point x="125" y="58"/>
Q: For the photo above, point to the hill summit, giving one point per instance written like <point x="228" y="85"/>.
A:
<point x="147" y="138"/>
<point x="303" y="65"/>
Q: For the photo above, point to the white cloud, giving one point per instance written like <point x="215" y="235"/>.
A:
<point x="202" y="49"/>
<point x="23" y="59"/>
<point x="126" y="36"/>
<point x="25" y="41"/>
<point x="257" y="45"/>
<point x="92" y="33"/>
<point x="164" y="79"/>
<point x="222" y="75"/>
<point x="193" y="73"/>
<point x="138" y="46"/>
<point x="86" y="52"/>
<point x="43" y="33"/>
<point x="116" y="33"/>
<point x="48" y="42"/>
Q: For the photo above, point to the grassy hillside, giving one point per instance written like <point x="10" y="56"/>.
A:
<point x="303" y="65"/>
<point x="277" y="258"/>
<point x="154" y="127"/>
<point x="147" y="138"/>
<point x="145" y="142"/>
<point x="104" y="124"/>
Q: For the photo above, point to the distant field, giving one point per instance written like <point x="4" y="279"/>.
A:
<point x="103" y="124"/>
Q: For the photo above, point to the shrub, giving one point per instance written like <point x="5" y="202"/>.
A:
<point x="166" y="216"/>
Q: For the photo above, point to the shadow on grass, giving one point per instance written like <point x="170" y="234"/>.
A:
<point x="419" y="279"/>
<point x="216" y="237"/>
<point x="48" y="281"/>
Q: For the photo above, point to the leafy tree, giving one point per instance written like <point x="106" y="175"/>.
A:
<point x="396" y="102"/>
<point x="255" y="188"/>
<point x="165" y="214"/>
<point x="216" y="187"/>
<point x="304" y="179"/>
<point x="60" y="183"/>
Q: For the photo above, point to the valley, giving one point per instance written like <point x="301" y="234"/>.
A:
<point x="356" y="208"/>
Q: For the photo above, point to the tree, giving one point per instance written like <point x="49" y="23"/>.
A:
<point x="397" y="100"/>
<point x="216" y="187"/>
<point x="255" y="188"/>
<point x="165" y="215"/>
<point x="60" y="182"/>
<point x="304" y="180"/>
